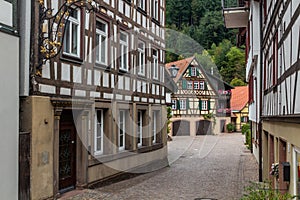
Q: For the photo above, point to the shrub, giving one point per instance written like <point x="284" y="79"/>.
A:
<point x="264" y="191"/>
<point x="230" y="127"/>
<point x="245" y="128"/>
<point x="248" y="138"/>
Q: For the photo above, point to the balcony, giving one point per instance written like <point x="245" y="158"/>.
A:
<point x="236" y="13"/>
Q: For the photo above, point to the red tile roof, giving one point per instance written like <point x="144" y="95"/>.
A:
<point x="239" y="98"/>
<point x="182" y="65"/>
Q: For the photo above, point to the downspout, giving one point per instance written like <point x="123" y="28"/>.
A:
<point x="260" y="95"/>
<point x="25" y="26"/>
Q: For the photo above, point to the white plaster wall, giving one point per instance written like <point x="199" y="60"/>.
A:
<point x="9" y="115"/>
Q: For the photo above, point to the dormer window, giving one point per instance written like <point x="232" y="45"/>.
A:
<point x="193" y="71"/>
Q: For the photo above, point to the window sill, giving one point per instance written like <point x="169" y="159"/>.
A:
<point x="100" y="159"/>
<point x="71" y="58"/>
<point x="110" y="157"/>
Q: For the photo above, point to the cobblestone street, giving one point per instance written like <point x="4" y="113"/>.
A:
<point x="216" y="167"/>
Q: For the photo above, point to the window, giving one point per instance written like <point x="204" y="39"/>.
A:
<point x="101" y="42"/>
<point x="182" y="104"/>
<point x="140" y="129"/>
<point x="142" y="4"/>
<point x="98" y="136"/>
<point x="196" y="85"/>
<point x="174" y="104"/>
<point x="244" y="119"/>
<point x="9" y="16"/>
<point x="190" y="85"/>
<point x="72" y="34"/>
<point x="193" y="71"/>
<point x="155" y="64"/>
<point x="155" y="9"/>
<point x="124" y="51"/>
<point x="154" y="120"/>
<point x="202" y="87"/>
<point x="204" y="105"/>
<point x="141" y="58"/>
<point x="121" y="141"/>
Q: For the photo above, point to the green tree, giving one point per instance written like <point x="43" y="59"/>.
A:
<point x="237" y="82"/>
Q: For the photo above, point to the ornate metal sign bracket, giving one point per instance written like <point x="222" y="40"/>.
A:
<point x="52" y="25"/>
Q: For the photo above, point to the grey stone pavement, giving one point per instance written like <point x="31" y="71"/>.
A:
<point x="217" y="167"/>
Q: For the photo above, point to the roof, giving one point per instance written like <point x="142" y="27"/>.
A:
<point x="239" y="98"/>
<point x="182" y="65"/>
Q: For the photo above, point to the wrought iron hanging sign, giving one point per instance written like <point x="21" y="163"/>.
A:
<point x="52" y="25"/>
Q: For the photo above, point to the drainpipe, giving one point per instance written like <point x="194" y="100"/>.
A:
<point x="25" y="25"/>
<point x="260" y="94"/>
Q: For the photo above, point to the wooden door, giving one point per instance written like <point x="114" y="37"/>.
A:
<point x="181" y="128"/>
<point x="67" y="156"/>
<point x="203" y="127"/>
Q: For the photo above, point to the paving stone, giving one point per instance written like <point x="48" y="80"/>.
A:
<point x="216" y="167"/>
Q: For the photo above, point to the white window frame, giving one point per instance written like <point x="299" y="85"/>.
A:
<point x="122" y="129"/>
<point x="196" y="85"/>
<point x="98" y="123"/>
<point x="69" y="23"/>
<point x="140" y="129"/>
<point x="204" y="104"/>
<point x="154" y="126"/>
<point x="155" y="64"/>
<point x="142" y="4"/>
<point x="124" y="58"/>
<point x="189" y="85"/>
<point x="201" y="85"/>
<point x="182" y="104"/>
<point x="102" y="34"/>
<point x="193" y="71"/>
<point x="141" y="62"/>
<point x="174" y="104"/>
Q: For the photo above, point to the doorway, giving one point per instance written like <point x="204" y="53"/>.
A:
<point x="67" y="152"/>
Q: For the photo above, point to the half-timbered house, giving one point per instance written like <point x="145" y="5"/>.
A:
<point x="273" y="70"/>
<point x="97" y="92"/>
<point x="201" y="105"/>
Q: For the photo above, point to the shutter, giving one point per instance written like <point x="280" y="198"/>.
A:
<point x="200" y="104"/>
<point x="197" y="71"/>
<point x="187" y="104"/>
<point x="190" y="71"/>
<point x="178" y="105"/>
<point x="205" y="86"/>
<point x="184" y="84"/>
<point x="208" y="105"/>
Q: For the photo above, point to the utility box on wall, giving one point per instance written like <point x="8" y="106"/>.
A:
<point x="286" y="171"/>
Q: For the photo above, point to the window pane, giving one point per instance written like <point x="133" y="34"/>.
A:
<point x="67" y="38"/>
<point x="99" y="145"/>
<point x="103" y="49"/>
<point x="73" y="13"/>
<point x="101" y="26"/>
<point x="97" y="47"/>
<point x="123" y="37"/>
<point x="121" y="140"/>
<point x="74" y="38"/>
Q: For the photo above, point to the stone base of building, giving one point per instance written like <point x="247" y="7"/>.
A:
<point x="49" y="122"/>
<point x="281" y="144"/>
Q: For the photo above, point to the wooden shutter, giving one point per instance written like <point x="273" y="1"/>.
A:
<point x="184" y="84"/>
<point x="187" y="104"/>
<point x="208" y="105"/>
<point x="190" y="71"/>
<point x="200" y="104"/>
<point x="205" y="86"/>
<point x="197" y="71"/>
<point x="178" y="105"/>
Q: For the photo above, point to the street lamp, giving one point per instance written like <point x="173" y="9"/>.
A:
<point x="173" y="71"/>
